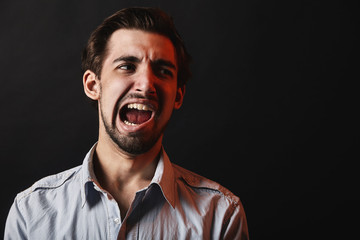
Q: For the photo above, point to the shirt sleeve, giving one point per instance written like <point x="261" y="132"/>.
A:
<point x="236" y="227"/>
<point x="15" y="227"/>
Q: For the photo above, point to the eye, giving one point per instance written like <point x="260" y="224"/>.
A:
<point x="128" y="67"/>
<point x="165" y="72"/>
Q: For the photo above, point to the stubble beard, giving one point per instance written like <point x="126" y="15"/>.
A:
<point x="133" y="143"/>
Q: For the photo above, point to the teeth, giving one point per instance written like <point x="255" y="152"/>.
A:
<point x="138" y="106"/>
<point x="129" y="123"/>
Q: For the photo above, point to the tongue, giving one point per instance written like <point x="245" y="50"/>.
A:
<point x="136" y="116"/>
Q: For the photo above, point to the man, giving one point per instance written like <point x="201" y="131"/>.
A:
<point x="135" y="69"/>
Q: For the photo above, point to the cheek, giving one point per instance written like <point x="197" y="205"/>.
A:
<point x="111" y="92"/>
<point x="168" y="96"/>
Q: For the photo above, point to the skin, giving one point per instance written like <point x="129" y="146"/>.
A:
<point x="139" y="67"/>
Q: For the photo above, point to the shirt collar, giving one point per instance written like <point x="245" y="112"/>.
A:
<point x="163" y="177"/>
<point x="88" y="174"/>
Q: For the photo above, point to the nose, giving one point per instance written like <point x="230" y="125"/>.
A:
<point x="145" y="82"/>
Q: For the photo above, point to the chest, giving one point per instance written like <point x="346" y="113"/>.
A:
<point x="148" y="217"/>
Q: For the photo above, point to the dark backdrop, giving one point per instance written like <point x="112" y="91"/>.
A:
<point x="269" y="112"/>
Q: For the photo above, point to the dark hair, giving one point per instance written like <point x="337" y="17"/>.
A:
<point x="146" y="19"/>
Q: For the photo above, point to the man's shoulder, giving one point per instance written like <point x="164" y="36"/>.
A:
<point x="50" y="182"/>
<point x="203" y="184"/>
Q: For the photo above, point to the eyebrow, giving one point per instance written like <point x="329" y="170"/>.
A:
<point x="127" y="59"/>
<point x="133" y="59"/>
<point x="163" y="62"/>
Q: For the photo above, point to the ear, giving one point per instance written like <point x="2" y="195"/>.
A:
<point x="179" y="97"/>
<point x="91" y="85"/>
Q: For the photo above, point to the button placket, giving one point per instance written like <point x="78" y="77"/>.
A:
<point x="113" y="215"/>
<point x="117" y="220"/>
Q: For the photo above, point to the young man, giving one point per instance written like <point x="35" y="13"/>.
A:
<point x="135" y="69"/>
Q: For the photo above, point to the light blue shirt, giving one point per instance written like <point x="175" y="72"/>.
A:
<point x="178" y="204"/>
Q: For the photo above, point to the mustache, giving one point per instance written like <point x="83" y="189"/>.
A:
<point x="135" y="96"/>
<point x="149" y="97"/>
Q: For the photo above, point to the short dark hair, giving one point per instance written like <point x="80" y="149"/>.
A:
<point x="146" y="19"/>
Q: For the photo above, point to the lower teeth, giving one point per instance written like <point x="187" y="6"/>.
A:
<point x="129" y="123"/>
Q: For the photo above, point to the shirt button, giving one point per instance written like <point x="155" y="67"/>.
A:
<point x="117" y="220"/>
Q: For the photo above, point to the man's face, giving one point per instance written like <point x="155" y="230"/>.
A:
<point x="138" y="89"/>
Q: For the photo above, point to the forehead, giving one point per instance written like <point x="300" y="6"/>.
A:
<point x="141" y="44"/>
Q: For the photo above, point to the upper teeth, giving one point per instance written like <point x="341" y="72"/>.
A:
<point x="139" y="106"/>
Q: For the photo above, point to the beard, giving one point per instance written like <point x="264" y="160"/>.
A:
<point x="133" y="143"/>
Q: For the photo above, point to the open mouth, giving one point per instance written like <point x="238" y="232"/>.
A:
<point x="134" y="114"/>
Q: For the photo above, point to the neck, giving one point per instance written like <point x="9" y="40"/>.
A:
<point x="115" y="170"/>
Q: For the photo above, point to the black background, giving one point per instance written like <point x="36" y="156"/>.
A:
<point x="269" y="113"/>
